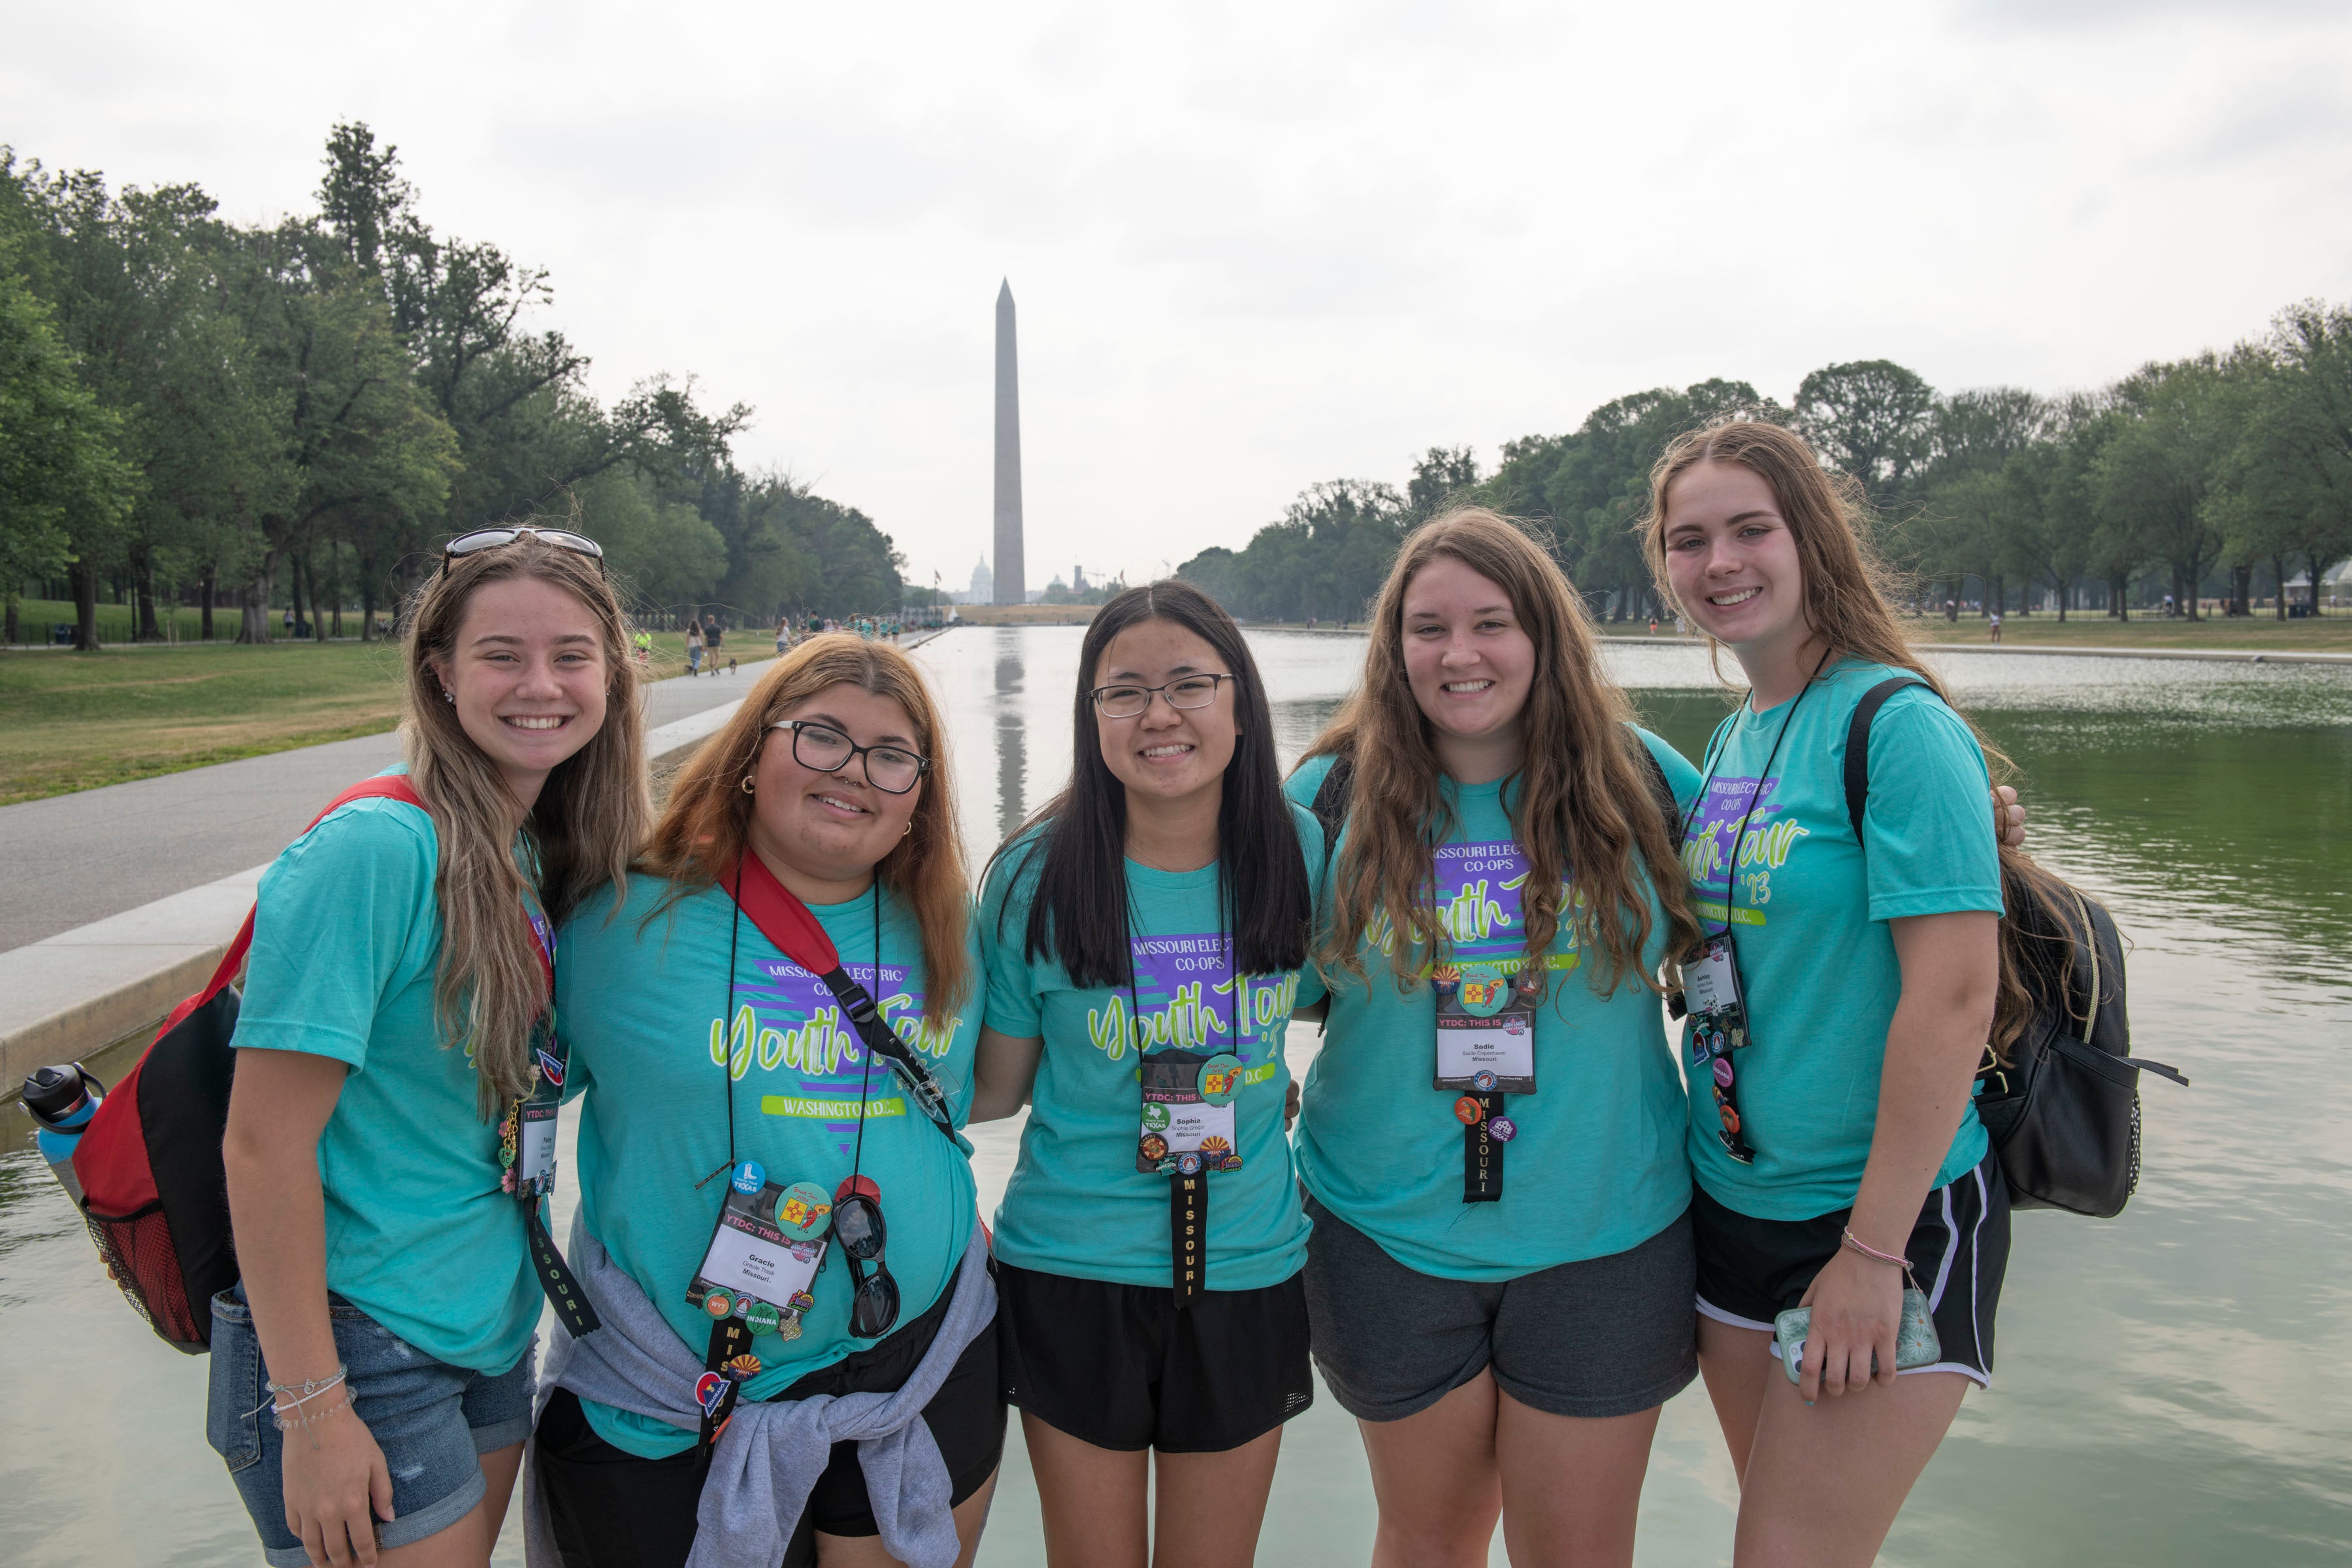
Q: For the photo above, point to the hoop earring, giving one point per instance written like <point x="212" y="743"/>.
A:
<point x="749" y="788"/>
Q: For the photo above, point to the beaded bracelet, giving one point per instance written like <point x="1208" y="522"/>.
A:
<point x="290" y="1424"/>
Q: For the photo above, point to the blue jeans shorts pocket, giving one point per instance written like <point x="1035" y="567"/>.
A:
<point x="232" y="1405"/>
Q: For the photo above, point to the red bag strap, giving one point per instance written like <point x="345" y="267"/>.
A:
<point x="783" y="919"/>
<point x="383" y="786"/>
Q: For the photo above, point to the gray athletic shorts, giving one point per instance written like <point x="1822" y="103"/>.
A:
<point x="1605" y="1336"/>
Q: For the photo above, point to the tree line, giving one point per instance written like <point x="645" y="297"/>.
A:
<point x="2206" y="476"/>
<point x="294" y="416"/>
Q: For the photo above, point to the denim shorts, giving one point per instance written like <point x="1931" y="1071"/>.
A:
<point x="432" y="1420"/>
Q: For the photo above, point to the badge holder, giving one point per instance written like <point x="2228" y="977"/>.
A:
<point x="1718" y="1020"/>
<point x="1188" y="1134"/>
<point x="527" y="1151"/>
<point x="758" y="1276"/>
<point x="1486" y="1049"/>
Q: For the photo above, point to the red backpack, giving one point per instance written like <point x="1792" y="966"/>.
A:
<point x="155" y="1190"/>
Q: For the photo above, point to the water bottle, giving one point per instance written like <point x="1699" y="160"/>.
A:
<point x="61" y="1100"/>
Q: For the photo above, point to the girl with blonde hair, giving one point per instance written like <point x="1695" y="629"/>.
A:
<point x="777" y="1220"/>
<point x="370" y="1374"/>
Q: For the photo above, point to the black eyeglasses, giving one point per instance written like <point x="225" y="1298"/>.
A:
<point x="893" y="769"/>
<point x="857" y="1226"/>
<point x="483" y="539"/>
<point x="1130" y="701"/>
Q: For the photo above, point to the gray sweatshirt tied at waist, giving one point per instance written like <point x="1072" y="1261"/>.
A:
<point x="771" y="1452"/>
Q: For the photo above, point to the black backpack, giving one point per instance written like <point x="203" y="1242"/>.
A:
<point x="2064" y="1115"/>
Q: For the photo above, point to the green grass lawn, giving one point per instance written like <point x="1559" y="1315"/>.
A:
<point x="76" y="721"/>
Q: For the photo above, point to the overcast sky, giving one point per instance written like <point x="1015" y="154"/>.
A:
<point x="1255" y="246"/>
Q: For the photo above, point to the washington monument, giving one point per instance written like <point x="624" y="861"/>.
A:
<point x="1012" y="582"/>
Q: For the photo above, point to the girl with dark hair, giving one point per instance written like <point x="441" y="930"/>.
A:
<point x="371" y="1373"/>
<point x="1499" y="1274"/>
<point x="1837" y="1148"/>
<point x="1145" y="941"/>
<point x="782" y="1242"/>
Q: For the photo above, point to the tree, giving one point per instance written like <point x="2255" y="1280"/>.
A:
<point x="2160" y="473"/>
<point x="59" y="474"/>
<point x="1870" y="419"/>
<point x="1438" y="476"/>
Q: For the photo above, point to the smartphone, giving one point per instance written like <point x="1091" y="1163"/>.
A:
<point x="1916" y="1343"/>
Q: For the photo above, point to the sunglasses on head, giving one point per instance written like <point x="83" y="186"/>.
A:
<point x="857" y="1226"/>
<point x="483" y="539"/>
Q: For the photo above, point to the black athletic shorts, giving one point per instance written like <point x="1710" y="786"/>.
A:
<point x="1595" y="1337"/>
<point x="613" y="1510"/>
<point x="1120" y="1367"/>
<point x="1751" y="1270"/>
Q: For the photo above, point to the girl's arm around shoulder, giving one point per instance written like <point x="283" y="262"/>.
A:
<point x="1003" y="1073"/>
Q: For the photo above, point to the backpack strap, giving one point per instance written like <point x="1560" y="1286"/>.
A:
<point x="383" y="786"/>
<point x="1330" y="808"/>
<point x="1857" y="743"/>
<point x="1660" y="785"/>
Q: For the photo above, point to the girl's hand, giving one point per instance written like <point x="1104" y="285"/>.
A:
<point x="336" y="1487"/>
<point x="1290" y="1106"/>
<point x="1857" y="1309"/>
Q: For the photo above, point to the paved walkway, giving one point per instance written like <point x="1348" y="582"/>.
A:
<point x="75" y="859"/>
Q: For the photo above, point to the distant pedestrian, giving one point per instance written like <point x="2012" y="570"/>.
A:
<point x="1994" y="623"/>
<point x="644" y="642"/>
<point x="783" y="633"/>
<point x="693" y="648"/>
<point x="1654" y="625"/>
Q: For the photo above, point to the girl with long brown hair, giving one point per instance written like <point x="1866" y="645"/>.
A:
<point x="1856" y="978"/>
<point x="370" y="1374"/>
<point x="777" y="1219"/>
<point x="1500" y="1269"/>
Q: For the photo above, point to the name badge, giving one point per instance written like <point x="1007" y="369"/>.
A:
<point x="1487" y="1027"/>
<point x="1711" y="981"/>
<point x="535" y="1155"/>
<point x="1188" y="1113"/>
<point x="765" y="1254"/>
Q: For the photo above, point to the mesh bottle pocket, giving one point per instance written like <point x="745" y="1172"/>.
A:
<point x="139" y="1257"/>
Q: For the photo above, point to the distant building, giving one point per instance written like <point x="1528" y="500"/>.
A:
<point x="983" y="586"/>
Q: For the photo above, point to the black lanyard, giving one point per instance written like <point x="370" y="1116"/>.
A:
<point x="1188" y="1192"/>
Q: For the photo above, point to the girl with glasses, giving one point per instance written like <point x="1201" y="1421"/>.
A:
<point x="372" y="1373"/>
<point x="1146" y="937"/>
<point x="737" y="1111"/>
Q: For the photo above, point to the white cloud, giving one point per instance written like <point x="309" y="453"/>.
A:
<point x="1256" y="246"/>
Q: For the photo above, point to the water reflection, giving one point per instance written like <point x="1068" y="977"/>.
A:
<point x="1011" y="734"/>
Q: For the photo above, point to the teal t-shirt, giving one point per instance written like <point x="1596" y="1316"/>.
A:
<point x="420" y="1236"/>
<point x="1597" y="1166"/>
<point x="1817" y="965"/>
<point x="641" y="1005"/>
<point x="1076" y="1205"/>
